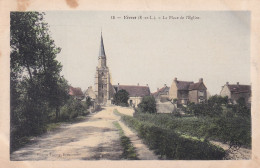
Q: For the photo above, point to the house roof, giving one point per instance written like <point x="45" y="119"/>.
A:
<point x="161" y="91"/>
<point x="134" y="91"/>
<point x="75" y="91"/>
<point x="183" y="85"/>
<point x="239" y="88"/>
<point x="195" y="86"/>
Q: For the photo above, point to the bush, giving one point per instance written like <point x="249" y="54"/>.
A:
<point x="171" y="145"/>
<point x="147" y="105"/>
<point x="121" y="98"/>
<point x="73" y="109"/>
<point x="222" y="128"/>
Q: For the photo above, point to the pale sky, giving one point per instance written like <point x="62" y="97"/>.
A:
<point x="215" y="47"/>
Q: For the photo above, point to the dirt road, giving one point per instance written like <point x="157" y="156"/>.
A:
<point x="96" y="138"/>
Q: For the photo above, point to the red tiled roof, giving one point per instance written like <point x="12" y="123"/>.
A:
<point x="75" y="91"/>
<point x="134" y="91"/>
<point x="239" y="88"/>
<point x="161" y="91"/>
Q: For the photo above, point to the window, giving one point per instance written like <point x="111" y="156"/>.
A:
<point x="201" y="93"/>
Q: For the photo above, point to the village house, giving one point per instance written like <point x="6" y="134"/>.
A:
<point x="188" y="91"/>
<point x="162" y="94"/>
<point x="76" y="93"/>
<point x="136" y="93"/>
<point x="90" y="93"/>
<point x="236" y="91"/>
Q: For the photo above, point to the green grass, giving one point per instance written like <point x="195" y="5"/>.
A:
<point x="170" y="144"/>
<point x="223" y="129"/>
<point x="129" y="151"/>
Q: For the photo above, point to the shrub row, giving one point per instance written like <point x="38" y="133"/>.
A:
<point x="223" y="128"/>
<point x="171" y="145"/>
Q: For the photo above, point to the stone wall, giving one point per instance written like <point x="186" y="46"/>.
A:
<point x="193" y="96"/>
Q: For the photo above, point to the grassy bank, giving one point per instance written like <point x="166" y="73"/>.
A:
<point x="224" y="129"/>
<point x="171" y="145"/>
<point x="129" y="151"/>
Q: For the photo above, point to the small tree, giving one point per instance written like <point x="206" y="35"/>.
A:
<point x="147" y="105"/>
<point x="217" y="100"/>
<point x="121" y="98"/>
<point x="88" y="102"/>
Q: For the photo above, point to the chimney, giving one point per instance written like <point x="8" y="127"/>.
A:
<point x="237" y="83"/>
<point x="175" y="79"/>
<point x="137" y="84"/>
<point x="157" y="89"/>
<point x="227" y="83"/>
<point x="147" y="85"/>
<point x="118" y="84"/>
<point x="200" y="80"/>
<point x="165" y="85"/>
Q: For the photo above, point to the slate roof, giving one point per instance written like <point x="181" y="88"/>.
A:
<point x="75" y="91"/>
<point x="134" y="91"/>
<point x="102" y="49"/>
<point x="183" y="85"/>
<point x="195" y="86"/>
<point x="162" y="91"/>
<point x="239" y="88"/>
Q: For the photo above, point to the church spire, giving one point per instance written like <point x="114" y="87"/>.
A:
<point x="102" y="50"/>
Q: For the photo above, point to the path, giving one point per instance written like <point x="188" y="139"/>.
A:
<point x="240" y="154"/>
<point x="96" y="138"/>
<point x="142" y="150"/>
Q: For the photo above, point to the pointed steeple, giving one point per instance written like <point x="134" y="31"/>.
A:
<point x="102" y="50"/>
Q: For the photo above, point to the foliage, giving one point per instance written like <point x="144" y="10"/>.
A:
<point x="147" y="105"/>
<point x="129" y="151"/>
<point x="217" y="100"/>
<point x="224" y="128"/>
<point x="121" y="98"/>
<point x="169" y="144"/>
<point x="88" y="102"/>
<point x="72" y="109"/>
<point x="218" y="106"/>
<point x="37" y="89"/>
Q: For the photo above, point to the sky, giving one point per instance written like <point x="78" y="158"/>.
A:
<point x="215" y="46"/>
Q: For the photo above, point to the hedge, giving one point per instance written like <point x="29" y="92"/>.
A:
<point x="225" y="129"/>
<point x="171" y="145"/>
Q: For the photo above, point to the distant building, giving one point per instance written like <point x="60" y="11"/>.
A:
<point x="76" y="93"/>
<point x="188" y="91"/>
<point x="90" y="93"/>
<point x="103" y="86"/>
<point x="236" y="91"/>
<point x="162" y="94"/>
<point x="136" y="92"/>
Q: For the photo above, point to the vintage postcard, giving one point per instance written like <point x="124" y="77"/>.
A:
<point x="136" y="87"/>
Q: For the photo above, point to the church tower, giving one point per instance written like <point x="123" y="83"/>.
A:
<point x="103" y="85"/>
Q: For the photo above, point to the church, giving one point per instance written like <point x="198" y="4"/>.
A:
<point x="103" y="87"/>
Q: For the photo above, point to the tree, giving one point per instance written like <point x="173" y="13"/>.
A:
<point x="88" y="102"/>
<point x="36" y="85"/>
<point x="147" y="105"/>
<point x="121" y="98"/>
<point x="218" y="100"/>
